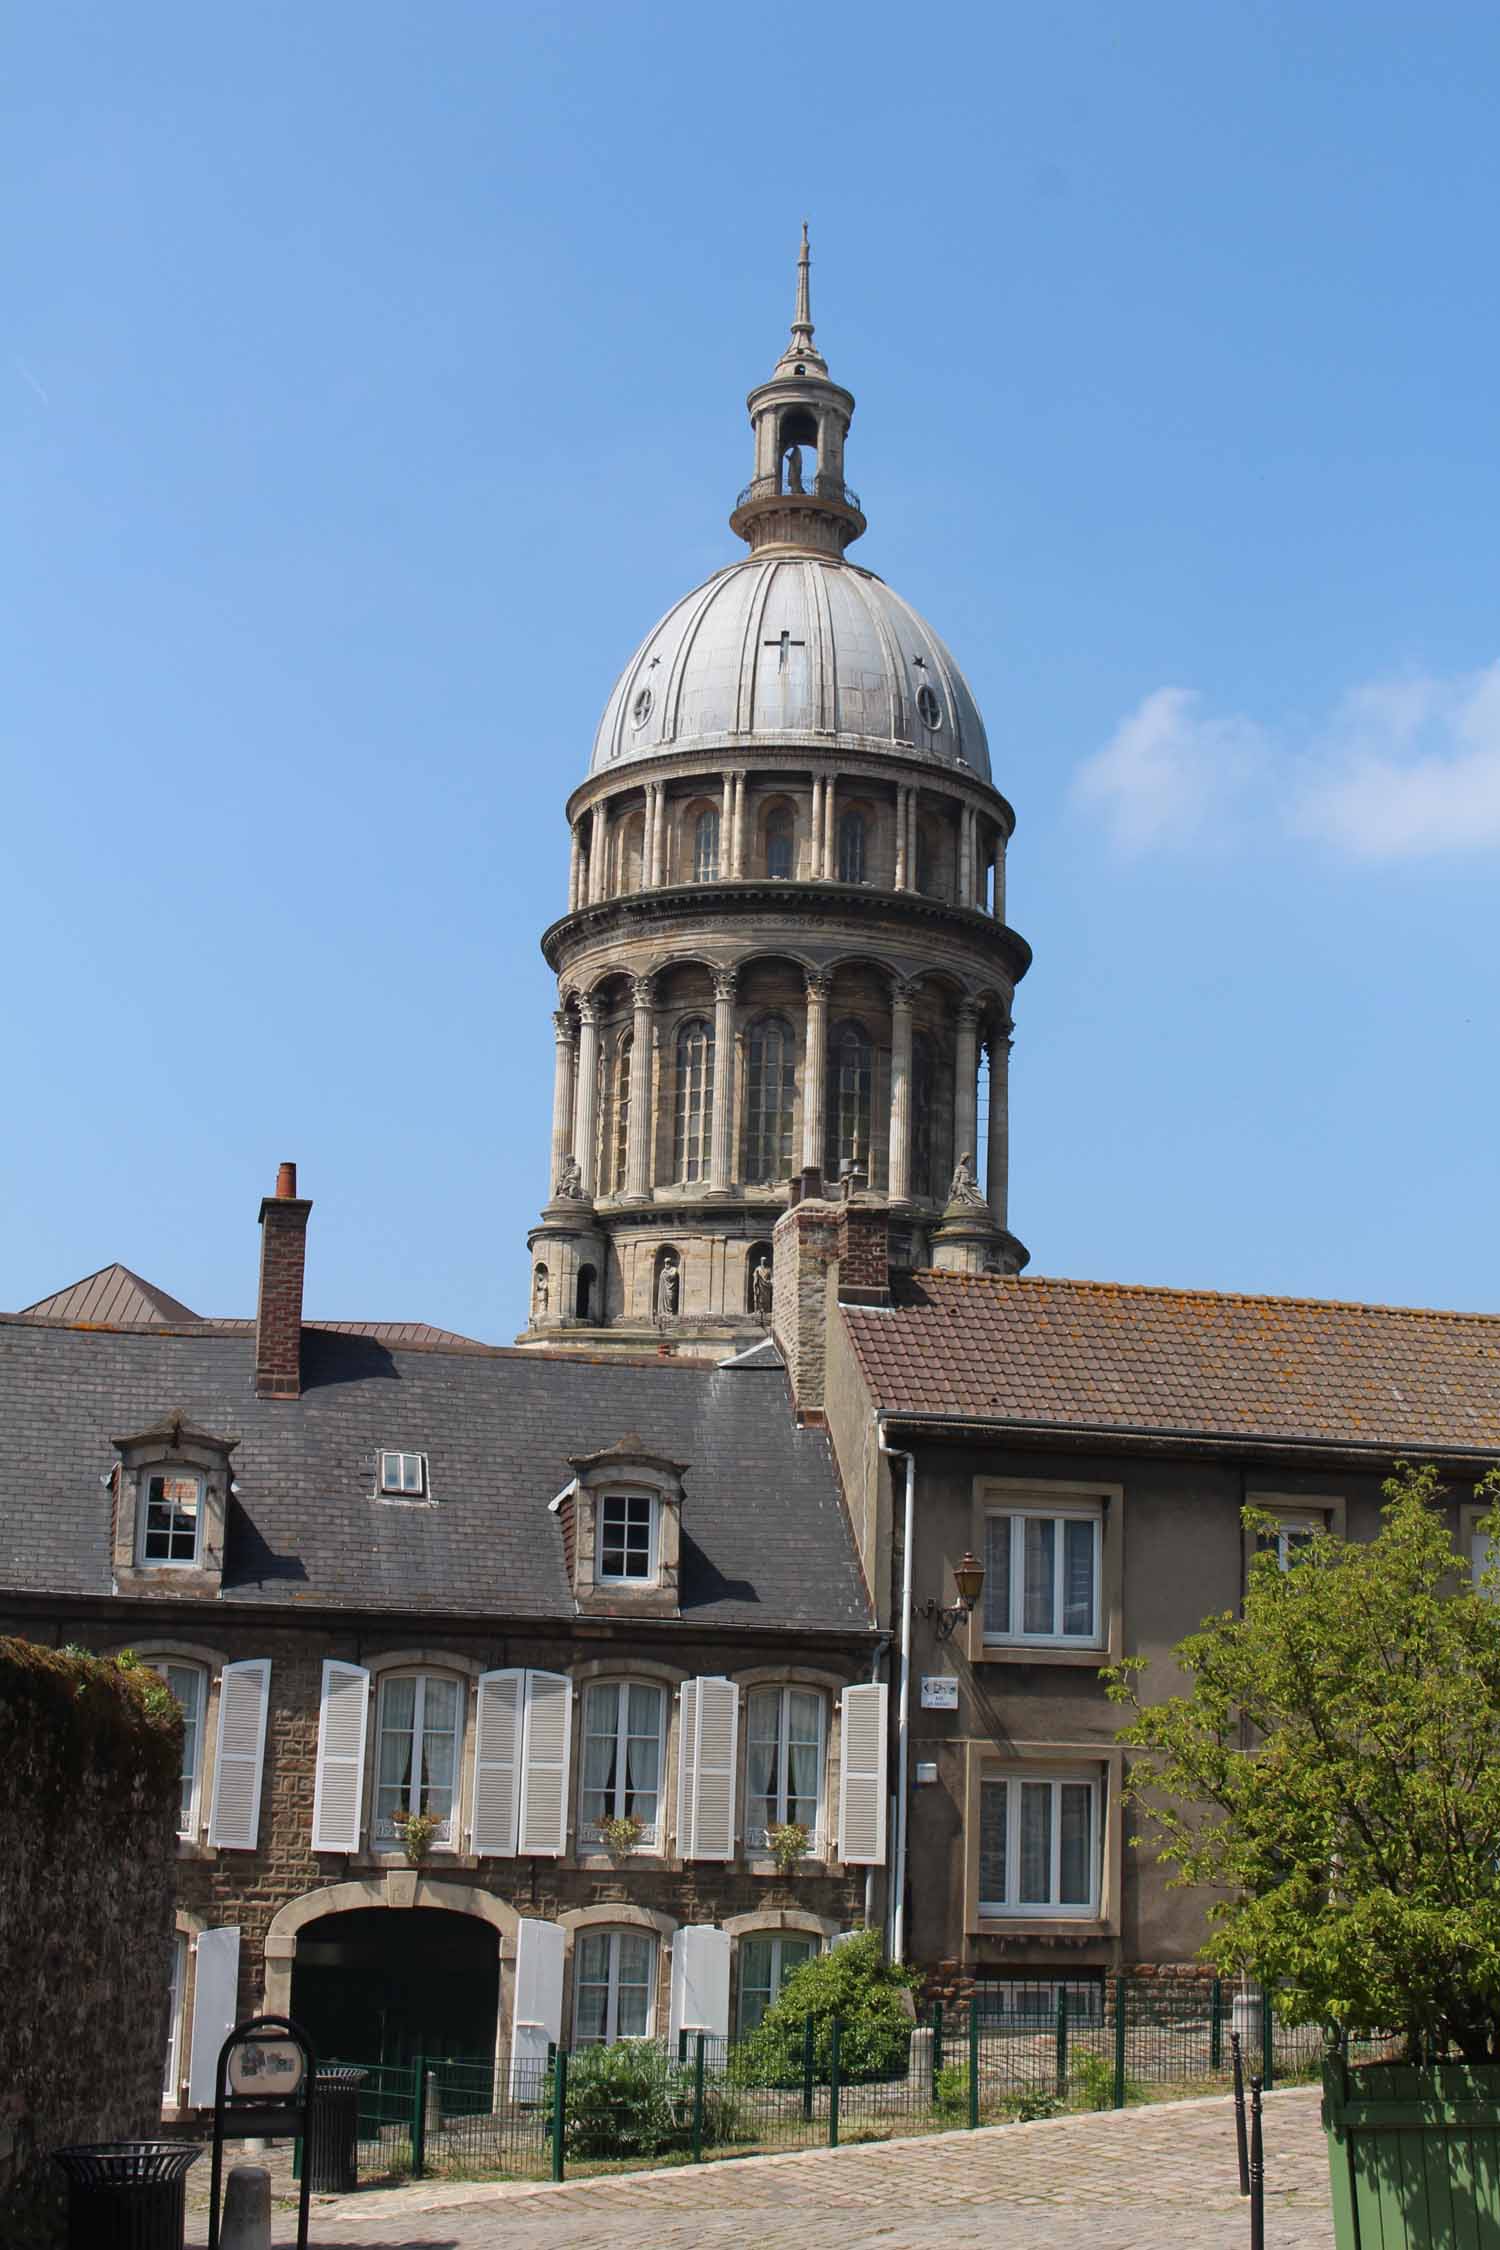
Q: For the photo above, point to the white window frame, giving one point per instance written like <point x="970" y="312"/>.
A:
<point x="1483" y="1551"/>
<point x="189" y="1472"/>
<point x="191" y="1811"/>
<point x="613" y="1935"/>
<point x="1051" y="1909"/>
<point x="653" y="1834"/>
<point x="775" y="1939"/>
<point x="1059" y="1513"/>
<point x="446" y="1836"/>
<point x="755" y="1838"/>
<point x="1290" y="1528"/>
<point x="172" y="2069"/>
<point x="397" y="1485"/>
<point x="653" y="1534"/>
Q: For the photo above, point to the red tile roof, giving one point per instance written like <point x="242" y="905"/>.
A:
<point x="1099" y="1355"/>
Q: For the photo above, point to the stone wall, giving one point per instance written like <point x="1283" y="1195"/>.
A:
<point x="91" y="1754"/>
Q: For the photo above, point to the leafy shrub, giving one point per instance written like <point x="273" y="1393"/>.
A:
<point x="872" y="1999"/>
<point x="632" y="2100"/>
<point x="1028" y="2107"/>
<point x="950" y="2093"/>
<point x="1093" y="2082"/>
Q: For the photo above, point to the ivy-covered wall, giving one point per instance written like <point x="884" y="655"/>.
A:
<point x="90" y="1752"/>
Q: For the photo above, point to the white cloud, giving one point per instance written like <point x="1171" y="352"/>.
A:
<point x="1168" y="769"/>
<point x="1409" y="768"/>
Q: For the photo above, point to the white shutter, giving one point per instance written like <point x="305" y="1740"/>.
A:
<point x="216" y="1979"/>
<point x="497" y="1763"/>
<point x="339" y="1788"/>
<point x="687" y="1766"/>
<point x="544" y="1765"/>
<point x="700" y="1981"/>
<point x="537" y="2020"/>
<point x="710" y="1735"/>
<point x="244" y="1695"/>
<point x="862" y="1776"/>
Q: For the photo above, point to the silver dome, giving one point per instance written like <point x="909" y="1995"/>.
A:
<point x="787" y="649"/>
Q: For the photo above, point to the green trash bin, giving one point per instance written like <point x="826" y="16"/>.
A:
<point x="127" y="2195"/>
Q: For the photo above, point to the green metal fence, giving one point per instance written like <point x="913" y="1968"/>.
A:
<point x="1018" y="2049"/>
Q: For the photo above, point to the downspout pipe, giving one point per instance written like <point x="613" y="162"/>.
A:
<point x="903" y="1697"/>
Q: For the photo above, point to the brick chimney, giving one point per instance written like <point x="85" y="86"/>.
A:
<point x="278" y="1312"/>
<point x="813" y="1240"/>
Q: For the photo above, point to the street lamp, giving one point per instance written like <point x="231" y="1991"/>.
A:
<point x="968" y="1578"/>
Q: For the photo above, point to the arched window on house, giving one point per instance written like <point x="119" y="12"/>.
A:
<point x="706" y="846"/>
<point x="692" y="1122"/>
<point x="851" y="1075"/>
<point x="770" y="1091"/>
<point x="923" y="1081"/>
<point x="852" y="847"/>
<point x="779" y="845"/>
<point x="620" y="1117"/>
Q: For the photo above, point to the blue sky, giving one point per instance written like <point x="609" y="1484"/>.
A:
<point x="375" y="377"/>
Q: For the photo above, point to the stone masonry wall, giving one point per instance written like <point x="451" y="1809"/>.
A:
<point x="91" y="1755"/>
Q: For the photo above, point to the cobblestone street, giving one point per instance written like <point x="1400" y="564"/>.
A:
<point x="1141" y="2179"/>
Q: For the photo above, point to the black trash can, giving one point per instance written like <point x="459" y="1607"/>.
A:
<point x="333" y="2130"/>
<point x="127" y="2195"/>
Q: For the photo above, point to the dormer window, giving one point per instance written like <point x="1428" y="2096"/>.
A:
<point x="403" y="1476"/>
<point x="172" y="1519"/>
<point x="627" y="1537"/>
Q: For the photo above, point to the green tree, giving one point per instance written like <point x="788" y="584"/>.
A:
<point x="1333" y="1774"/>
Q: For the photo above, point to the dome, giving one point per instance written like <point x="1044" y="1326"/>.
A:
<point x="785" y="649"/>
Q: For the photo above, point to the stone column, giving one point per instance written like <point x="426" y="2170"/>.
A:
<point x="898" y="1162"/>
<point x="658" y="835"/>
<point x="903" y="879"/>
<point x="639" y="1136"/>
<point x="723" y="1109"/>
<point x="830" y="829"/>
<point x="815" y="842"/>
<point x="737" y="860"/>
<point x="726" y="832"/>
<point x="563" y="1031"/>
<point x="965" y="1110"/>
<point x="997" y="1153"/>
<point x="575" y="871"/>
<point x="814" y="1069"/>
<point x="586" y="1105"/>
<point x="999" y="878"/>
<point x="965" y="856"/>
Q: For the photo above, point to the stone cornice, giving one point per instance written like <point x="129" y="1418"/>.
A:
<point x="711" y="911"/>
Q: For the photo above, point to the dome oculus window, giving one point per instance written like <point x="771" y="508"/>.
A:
<point x="640" y="710"/>
<point x="929" y="709"/>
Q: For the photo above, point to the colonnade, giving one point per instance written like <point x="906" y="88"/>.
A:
<point x="576" y="1084"/>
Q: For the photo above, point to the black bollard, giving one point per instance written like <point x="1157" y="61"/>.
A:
<point x="1257" y="2173"/>
<point x="1241" y="2144"/>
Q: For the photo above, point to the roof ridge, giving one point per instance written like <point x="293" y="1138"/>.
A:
<point x="1033" y="1281"/>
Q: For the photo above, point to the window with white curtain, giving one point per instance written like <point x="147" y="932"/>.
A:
<point x="172" y="2070"/>
<point x="765" y="1964"/>
<point x="420" y="1729"/>
<point x="624" y="1724"/>
<point x="1041" y="1582"/>
<point x="189" y="1685"/>
<point x="784" y="1760"/>
<point x="614" y="1976"/>
<point x="1039" y="1844"/>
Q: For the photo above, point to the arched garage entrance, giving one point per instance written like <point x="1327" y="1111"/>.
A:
<point x="381" y="1985"/>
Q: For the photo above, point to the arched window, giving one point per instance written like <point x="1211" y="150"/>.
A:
<point x="765" y="1963"/>
<point x="706" y="846"/>
<point x="922" y="1084"/>
<point x="614" y="1985"/>
<point x="631" y="853"/>
<point x="692" y="1125"/>
<point x="852" y="848"/>
<point x="624" y="1727"/>
<point x="770" y="1088"/>
<point x="924" y="858"/>
<point x="621" y="1121"/>
<point x="420" y="1731"/>
<point x="851" y="1072"/>
<point x="583" y="1295"/>
<point x="779" y="845"/>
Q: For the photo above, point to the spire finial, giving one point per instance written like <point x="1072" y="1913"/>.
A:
<point x="802" y="356"/>
<point x="802" y="319"/>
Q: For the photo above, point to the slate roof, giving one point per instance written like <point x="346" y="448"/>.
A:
<point x="114" y="1297"/>
<point x="1098" y="1355"/>
<point x="764" y="1540"/>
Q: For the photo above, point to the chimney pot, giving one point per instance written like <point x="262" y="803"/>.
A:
<point x="286" y="1180"/>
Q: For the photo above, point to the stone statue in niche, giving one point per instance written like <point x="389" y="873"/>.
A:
<point x="963" y="1187"/>
<point x="760" y="1290"/>
<point x="794" y="469"/>
<point x="539" y="1294"/>
<point x="570" y="1181"/>
<point x="667" y="1285"/>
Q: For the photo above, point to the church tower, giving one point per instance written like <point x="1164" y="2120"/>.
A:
<point x="785" y="954"/>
